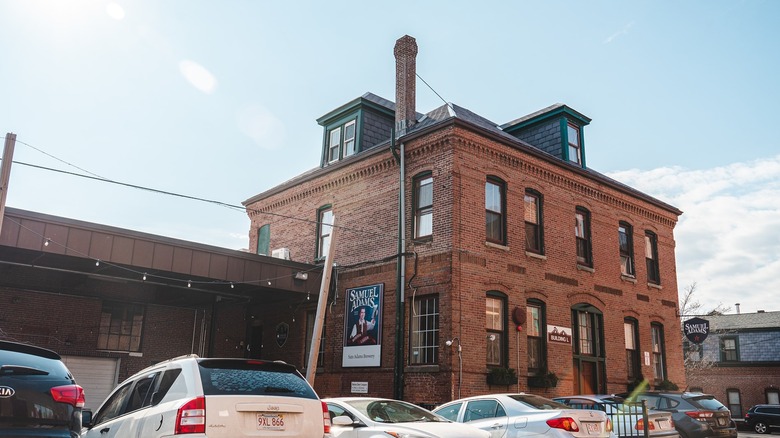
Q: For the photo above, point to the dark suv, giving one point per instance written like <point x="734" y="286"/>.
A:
<point x="695" y="415"/>
<point x="762" y="418"/>
<point x="38" y="396"/>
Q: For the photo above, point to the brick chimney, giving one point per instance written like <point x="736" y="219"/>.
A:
<point x="405" y="80"/>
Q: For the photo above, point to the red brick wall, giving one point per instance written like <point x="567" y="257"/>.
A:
<point x="460" y="267"/>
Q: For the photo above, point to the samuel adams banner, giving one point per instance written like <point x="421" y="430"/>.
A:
<point x="696" y="330"/>
<point x="363" y="327"/>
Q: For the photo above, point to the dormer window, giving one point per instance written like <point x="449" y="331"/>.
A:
<point x="341" y="146"/>
<point x="575" y="151"/>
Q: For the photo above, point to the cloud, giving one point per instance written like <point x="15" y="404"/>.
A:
<point x="198" y="76"/>
<point x="619" y="33"/>
<point x="259" y="124"/>
<point x="728" y="238"/>
<point x="115" y="11"/>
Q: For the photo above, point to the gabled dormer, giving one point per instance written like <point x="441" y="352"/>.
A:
<point x="355" y="127"/>
<point x="557" y="130"/>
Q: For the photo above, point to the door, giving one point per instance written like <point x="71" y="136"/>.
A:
<point x="487" y="414"/>
<point x="254" y="348"/>
<point x="97" y="375"/>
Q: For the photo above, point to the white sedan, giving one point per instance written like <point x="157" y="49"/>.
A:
<point x="366" y="417"/>
<point x="526" y="415"/>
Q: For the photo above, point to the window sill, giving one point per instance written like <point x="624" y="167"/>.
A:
<point x="585" y="268"/>
<point x="535" y="255"/>
<point x="628" y="278"/>
<point x="424" y="240"/>
<point x="497" y="246"/>
<point x="655" y="286"/>
<point x="421" y="369"/>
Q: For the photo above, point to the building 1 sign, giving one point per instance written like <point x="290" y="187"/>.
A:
<point x="558" y="334"/>
<point x="363" y="327"/>
<point x="696" y="330"/>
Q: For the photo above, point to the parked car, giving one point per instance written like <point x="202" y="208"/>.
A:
<point x="695" y="415"/>
<point x="627" y="418"/>
<point x="211" y="397"/>
<point x="38" y="395"/>
<point x="354" y="417"/>
<point x="763" y="418"/>
<point x="521" y="415"/>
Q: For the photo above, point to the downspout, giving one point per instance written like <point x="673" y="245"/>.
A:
<point x="398" y="368"/>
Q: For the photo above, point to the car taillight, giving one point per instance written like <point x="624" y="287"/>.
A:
<point x="699" y="415"/>
<point x="609" y="425"/>
<point x="191" y="418"/>
<point x="70" y="394"/>
<point x="640" y="425"/>
<point x="325" y="418"/>
<point x="565" y="423"/>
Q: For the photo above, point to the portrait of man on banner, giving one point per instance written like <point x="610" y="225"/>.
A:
<point x="363" y="315"/>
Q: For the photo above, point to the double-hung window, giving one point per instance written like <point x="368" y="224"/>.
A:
<point x="264" y="239"/>
<point x="659" y="365"/>
<point x="631" y="333"/>
<point x="425" y="331"/>
<point x="349" y="138"/>
<point x="533" y="222"/>
<point x="575" y="146"/>
<point x="324" y="230"/>
<point x="535" y="334"/>
<point x="625" y="232"/>
<point x="334" y="144"/>
<point x="495" y="326"/>
<point x="651" y="257"/>
<point x="495" y="212"/>
<point x="423" y="205"/>
<point x="729" y="349"/>
<point x="582" y="235"/>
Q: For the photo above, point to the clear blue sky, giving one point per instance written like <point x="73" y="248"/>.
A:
<point x="219" y="100"/>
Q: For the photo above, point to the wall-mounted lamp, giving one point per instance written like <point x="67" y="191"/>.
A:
<point x="301" y="275"/>
<point x="460" y="361"/>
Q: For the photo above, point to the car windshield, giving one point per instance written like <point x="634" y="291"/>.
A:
<point x="393" y="411"/>
<point x="537" y="402"/>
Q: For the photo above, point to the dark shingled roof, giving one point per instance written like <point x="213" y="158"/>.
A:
<point x="744" y="321"/>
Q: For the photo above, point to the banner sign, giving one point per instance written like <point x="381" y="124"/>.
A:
<point x="559" y="334"/>
<point x="363" y="327"/>
<point x="696" y="330"/>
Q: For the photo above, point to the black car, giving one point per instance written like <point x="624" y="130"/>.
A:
<point x="38" y="395"/>
<point x="695" y="415"/>
<point x="763" y="418"/>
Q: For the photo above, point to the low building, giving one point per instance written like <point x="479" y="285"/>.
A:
<point x="514" y="265"/>
<point x="739" y="361"/>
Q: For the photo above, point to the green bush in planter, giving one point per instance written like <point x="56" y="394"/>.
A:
<point x="502" y="376"/>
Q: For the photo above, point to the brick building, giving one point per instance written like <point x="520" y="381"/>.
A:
<point x="739" y="361"/>
<point x="512" y="254"/>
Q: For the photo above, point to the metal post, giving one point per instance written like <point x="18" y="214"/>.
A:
<point x="5" y="172"/>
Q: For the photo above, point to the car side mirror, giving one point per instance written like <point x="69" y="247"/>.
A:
<point x="343" y="420"/>
<point x="86" y="418"/>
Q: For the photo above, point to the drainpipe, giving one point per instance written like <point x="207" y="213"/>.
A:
<point x="398" y="368"/>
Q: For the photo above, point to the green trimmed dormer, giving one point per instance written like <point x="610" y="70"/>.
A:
<point x="355" y="127"/>
<point x="557" y="130"/>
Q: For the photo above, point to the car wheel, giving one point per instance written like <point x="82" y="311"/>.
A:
<point x="760" y="427"/>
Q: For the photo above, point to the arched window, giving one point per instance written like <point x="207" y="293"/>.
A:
<point x="589" y="350"/>
<point x="495" y="327"/>
<point x="535" y="332"/>
<point x="495" y="210"/>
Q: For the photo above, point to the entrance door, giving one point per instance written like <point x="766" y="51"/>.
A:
<point x="254" y="348"/>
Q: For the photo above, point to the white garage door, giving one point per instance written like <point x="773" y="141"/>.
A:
<point x="97" y="375"/>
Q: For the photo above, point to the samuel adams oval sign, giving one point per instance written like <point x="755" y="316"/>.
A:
<point x="696" y="330"/>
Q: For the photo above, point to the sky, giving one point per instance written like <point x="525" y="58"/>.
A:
<point x="219" y="101"/>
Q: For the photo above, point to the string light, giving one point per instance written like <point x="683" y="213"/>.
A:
<point x="189" y="283"/>
<point x="144" y="276"/>
<point x="231" y="285"/>
<point x="46" y="242"/>
<point x="97" y="262"/>
<point x="269" y="282"/>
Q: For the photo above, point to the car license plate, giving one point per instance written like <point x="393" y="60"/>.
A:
<point x="270" y="421"/>
<point x="593" y="428"/>
<point x="722" y="421"/>
<point x="662" y="423"/>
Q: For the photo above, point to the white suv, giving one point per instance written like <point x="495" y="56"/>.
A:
<point x="203" y="397"/>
